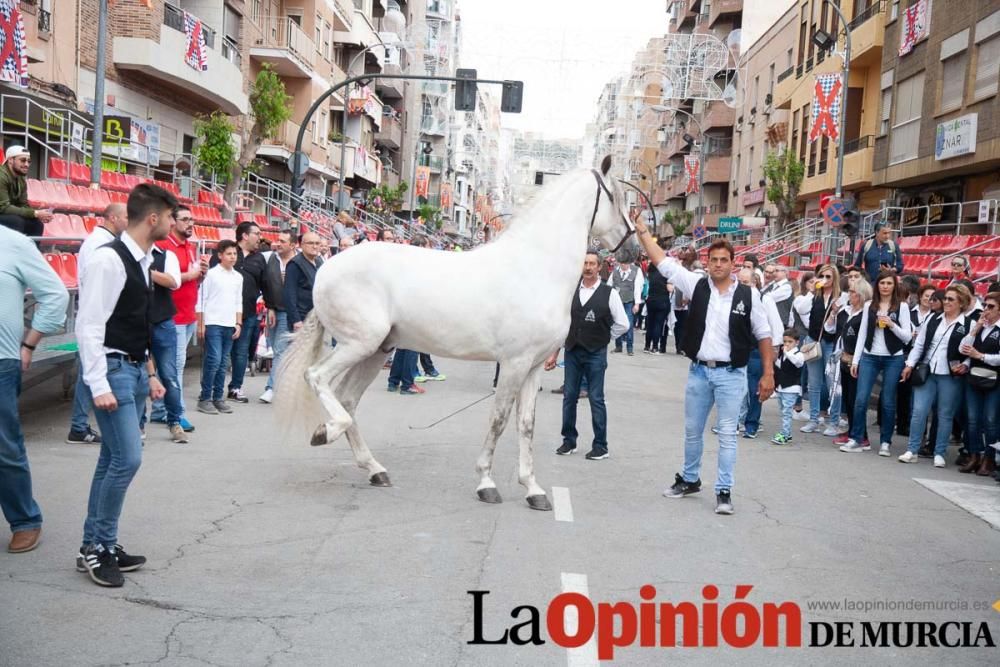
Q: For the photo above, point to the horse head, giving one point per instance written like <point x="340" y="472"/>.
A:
<point x="611" y="224"/>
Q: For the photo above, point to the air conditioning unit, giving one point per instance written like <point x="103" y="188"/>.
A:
<point x="768" y="99"/>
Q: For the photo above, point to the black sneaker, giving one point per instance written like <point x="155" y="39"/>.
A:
<point x="102" y="567"/>
<point x="596" y="454"/>
<point x="681" y="488"/>
<point x="238" y="396"/>
<point x="723" y="502"/>
<point x="565" y="449"/>
<point x="126" y="562"/>
<point x="88" y="437"/>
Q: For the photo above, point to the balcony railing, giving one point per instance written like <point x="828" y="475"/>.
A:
<point x="875" y="8"/>
<point x="44" y="21"/>
<point x="231" y="51"/>
<point x="787" y="73"/>
<point x="859" y="144"/>
<point x="173" y="17"/>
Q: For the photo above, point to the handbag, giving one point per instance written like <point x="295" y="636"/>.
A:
<point x="982" y="379"/>
<point x="811" y="351"/>
<point x="921" y="372"/>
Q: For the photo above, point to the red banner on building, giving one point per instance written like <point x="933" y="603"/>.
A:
<point x="422" y="184"/>
<point x="14" y="57"/>
<point x="692" y="166"/>
<point x="826" y="107"/>
<point x="445" y="196"/>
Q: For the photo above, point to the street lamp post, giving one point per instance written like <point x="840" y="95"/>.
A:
<point x="824" y="41"/>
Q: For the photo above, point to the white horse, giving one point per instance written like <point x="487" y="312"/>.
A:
<point x="508" y="301"/>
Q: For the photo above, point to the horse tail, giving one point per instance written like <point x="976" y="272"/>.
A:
<point x="296" y="405"/>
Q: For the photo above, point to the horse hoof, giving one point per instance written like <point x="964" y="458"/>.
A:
<point x="489" y="495"/>
<point x="380" y="479"/>
<point x="539" y="503"/>
<point x="319" y="436"/>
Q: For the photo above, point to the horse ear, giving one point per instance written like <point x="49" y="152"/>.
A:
<point x="605" y="165"/>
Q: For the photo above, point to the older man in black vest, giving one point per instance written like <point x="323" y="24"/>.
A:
<point x="597" y="315"/>
<point x="725" y="322"/>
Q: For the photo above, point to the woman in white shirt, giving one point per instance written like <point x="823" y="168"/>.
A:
<point x="882" y="339"/>
<point x="920" y="312"/>
<point x="798" y="319"/>
<point x="983" y="405"/>
<point x="938" y="345"/>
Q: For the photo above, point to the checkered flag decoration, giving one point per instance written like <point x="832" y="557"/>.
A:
<point x="197" y="50"/>
<point x="14" y="46"/>
<point x="826" y="107"/>
<point x="692" y="165"/>
<point x="915" y="25"/>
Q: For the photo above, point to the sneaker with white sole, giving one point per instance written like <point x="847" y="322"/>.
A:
<point x="908" y="457"/>
<point x="852" y="446"/>
<point x="800" y="416"/>
<point x="883" y="449"/>
<point x="177" y="434"/>
<point x="939" y="461"/>
<point x="267" y="396"/>
<point x="810" y="427"/>
<point x="831" y="431"/>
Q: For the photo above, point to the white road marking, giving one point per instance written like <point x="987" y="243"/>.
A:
<point x="973" y="498"/>
<point x="586" y="655"/>
<point x="563" y="505"/>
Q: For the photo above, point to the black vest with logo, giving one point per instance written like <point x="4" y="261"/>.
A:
<point x="817" y="318"/>
<point x="161" y="307"/>
<point x="741" y="338"/>
<point x="990" y="344"/>
<point x="590" y="323"/>
<point x="893" y="344"/>
<point x="958" y="332"/>
<point x="128" y="327"/>
<point x="786" y="374"/>
<point x="851" y="330"/>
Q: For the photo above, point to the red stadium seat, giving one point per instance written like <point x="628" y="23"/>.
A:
<point x="78" y="226"/>
<point x="90" y="222"/>
<point x="55" y="261"/>
<point x="58" y="169"/>
<point x="36" y="194"/>
<point x="60" y="227"/>
<point x="79" y="173"/>
<point x="260" y="219"/>
<point x="69" y="274"/>
<point x="909" y="243"/>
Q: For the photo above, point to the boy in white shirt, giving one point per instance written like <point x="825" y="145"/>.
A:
<point x="787" y="375"/>
<point x="220" y="302"/>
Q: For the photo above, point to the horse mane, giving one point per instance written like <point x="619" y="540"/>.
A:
<point x="549" y="194"/>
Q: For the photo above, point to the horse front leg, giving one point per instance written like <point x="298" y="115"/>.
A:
<point x="511" y="378"/>
<point x="526" y="400"/>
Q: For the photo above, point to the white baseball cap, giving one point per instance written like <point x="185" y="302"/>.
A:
<point x="16" y="151"/>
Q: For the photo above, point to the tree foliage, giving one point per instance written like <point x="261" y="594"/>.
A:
<point x="784" y="174"/>
<point x="431" y="215"/>
<point x="679" y="221"/>
<point x="215" y="151"/>
<point x="387" y="199"/>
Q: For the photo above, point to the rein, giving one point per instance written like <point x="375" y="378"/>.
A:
<point x="601" y="185"/>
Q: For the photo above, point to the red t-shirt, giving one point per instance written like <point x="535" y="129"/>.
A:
<point x="185" y="296"/>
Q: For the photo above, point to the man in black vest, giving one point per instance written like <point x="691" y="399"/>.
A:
<point x="112" y="330"/>
<point x="300" y="275"/>
<point x="166" y="276"/>
<point x="725" y="322"/>
<point x="597" y="316"/>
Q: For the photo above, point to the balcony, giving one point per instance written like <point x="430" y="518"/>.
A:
<point x="285" y="47"/>
<point x="718" y="168"/>
<point x="391" y="89"/>
<point x="343" y="14"/>
<point x="391" y="133"/>
<point x="868" y="36"/>
<point x="721" y="8"/>
<point x="675" y="146"/>
<point x="220" y="85"/>
<point x="439" y="9"/>
<point x="435" y="162"/>
<point x="859" y="156"/>
<point x="282" y="144"/>
<point x="361" y="33"/>
<point x="719" y="115"/>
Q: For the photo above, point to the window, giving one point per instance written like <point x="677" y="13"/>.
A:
<point x="750" y="167"/>
<point x="953" y="72"/>
<point x="327" y="40"/>
<point x="319" y="31"/>
<point x="987" y="67"/>
<point x="255" y="11"/>
<point x="894" y="10"/>
<point x="322" y="129"/>
<point x="770" y="81"/>
<point x="736" y="173"/>
<point x="904" y="143"/>
<point x="795" y="130"/>
<point x="883" y="128"/>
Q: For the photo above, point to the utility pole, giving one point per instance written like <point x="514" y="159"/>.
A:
<point x="98" y="133"/>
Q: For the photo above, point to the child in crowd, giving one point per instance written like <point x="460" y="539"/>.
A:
<point x="787" y="376"/>
<point x="220" y="302"/>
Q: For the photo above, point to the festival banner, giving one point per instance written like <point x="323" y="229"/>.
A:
<point x="14" y="50"/>
<point x="445" y="196"/>
<point x="826" y="107"/>
<point x="914" y="26"/>
<point x="422" y="184"/>
<point x="197" y="49"/>
<point x="692" y="165"/>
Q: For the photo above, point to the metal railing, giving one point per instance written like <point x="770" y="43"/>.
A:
<point x="44" y="21"/>
<point x="284" y="33"/>
<point x="875" y="8"/>
<point x="173" y="17"/>
<point x="861" y="143"/>
<point x="787" y="73"/>
<point x="962" y="252"/>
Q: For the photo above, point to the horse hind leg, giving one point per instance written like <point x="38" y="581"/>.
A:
<point x="502" y="404"/>
<point x="320" y="377"/>
<point x="349" y="392"/>
<point x="526" y="400"/>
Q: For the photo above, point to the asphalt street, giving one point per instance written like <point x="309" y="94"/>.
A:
<point x="266" y="552"/>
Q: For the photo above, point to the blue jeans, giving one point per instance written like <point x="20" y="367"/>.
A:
<point x="750" y="412"/>
<point x="163" y="346"/>
<point x="218" y="345"/>
<point x="427" y="363"/>
<point x="18" y="505"/>
<point x="817" y="384"/>
<point x="833" y="407"/>
<point x="983" y="425"/>
<point x="404" y="368"/>
<point x="184" y="333"/>
<point x="240" y="352"/>
<point x="868" y="371"/>
<point x="582" y="364"/>
<point x="724" y="388"/>
<point x="787" y="400"/>
<point x="121" y="452"/>
<point x="947" y="391"/>
<point x="278" y="335"/>
<point x="82" y="403"/>
<point x="629" y="336"/>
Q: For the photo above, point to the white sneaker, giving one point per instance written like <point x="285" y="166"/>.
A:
<point x="908" y="457"/>
<point x="810" y="427"/>
<point x="883" y="449"/>
<point x="267" y="396"/>
<point x="843" y="425"/>
<point x="831" y="431"/>
<point x="939" y="461"/>
<point x="852" y="446"/>
<point x="800" y="416"/>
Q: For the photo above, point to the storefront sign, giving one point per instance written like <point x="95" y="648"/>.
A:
<point x="729" y="225"/>
<point x="956" y="137"/>
<point x="753" y="197"/>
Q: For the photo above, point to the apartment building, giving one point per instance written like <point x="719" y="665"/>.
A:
<point x="535" y="160"/>
<point x="795" y="89"/>
<point x="938" y="138"/>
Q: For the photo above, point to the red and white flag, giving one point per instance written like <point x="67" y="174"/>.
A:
<point x="692" y="165"/>
<point x="914" y="25"/>
<point x="14" y="47"/>
<point x="197" y="50"/>
<point x="826" y="107"/>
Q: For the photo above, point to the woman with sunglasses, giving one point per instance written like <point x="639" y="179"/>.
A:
<point x="826" y="301"/>
<point x="885" y="331"/>
<point x="983" y="405"/>
<point x="938" y="345"/>
<point x="960" y="269"/>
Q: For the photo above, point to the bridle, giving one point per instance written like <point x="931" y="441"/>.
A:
<point x="602" y="186"/>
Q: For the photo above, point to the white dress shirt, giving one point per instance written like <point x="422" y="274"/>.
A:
<point x="105" y="281"/>
<point x="100" y="236"/>
<point x="779" y="290"/>
<point x="802" y="305"/>
<point x="640" y="278"/>
<point x="902" y="331"/>
<point x="620" y="325"/>
<point x="774" y="319"/>
<point x="715" y="345"/>
<point x="171" y="266"/>
<point x="220" y="298"/>
<point x="937" y="356"/>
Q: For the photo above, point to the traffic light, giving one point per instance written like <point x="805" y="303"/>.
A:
<point x="513" y="91"/>
<point x="852" y="219"/>
<point x="298" y="190"/>
<point x="465" y="91"/>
